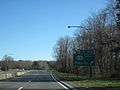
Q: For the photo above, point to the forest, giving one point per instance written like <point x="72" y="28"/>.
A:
<point x="99" y="32"/>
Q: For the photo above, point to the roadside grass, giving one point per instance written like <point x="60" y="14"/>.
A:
<point x="70" y="75"/>
<point x="84" y="81"/>
<point x="98" y="83"/>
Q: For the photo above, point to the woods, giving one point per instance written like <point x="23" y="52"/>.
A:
<point x="101" y="33"/>
<point x="8" y="63"/>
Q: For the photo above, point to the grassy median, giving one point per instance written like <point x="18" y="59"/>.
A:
<point x="84" y="81"/>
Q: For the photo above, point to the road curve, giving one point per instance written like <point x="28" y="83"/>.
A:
<point x="35" y="80"/>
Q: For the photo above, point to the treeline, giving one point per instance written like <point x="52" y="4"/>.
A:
<point x="100" y="33"/>
<point x="8" y="63"/>
<point x="40" y="65"/>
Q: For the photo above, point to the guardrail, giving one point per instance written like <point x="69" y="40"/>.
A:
<point x="6" y="75"/>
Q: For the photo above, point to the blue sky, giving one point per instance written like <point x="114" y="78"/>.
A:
<point x="29" y="29"/>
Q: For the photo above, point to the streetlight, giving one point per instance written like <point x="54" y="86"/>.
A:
<point x="90" y="42"/>
<point x="79" y="27"/>
<point x="85" y="29"/>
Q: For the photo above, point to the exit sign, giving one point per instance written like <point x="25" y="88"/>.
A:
<point x="84" y="58"/>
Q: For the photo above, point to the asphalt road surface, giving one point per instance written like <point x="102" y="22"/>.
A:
<point x="35" y="80"/>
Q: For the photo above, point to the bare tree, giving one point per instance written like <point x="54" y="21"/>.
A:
<point x="100" y="33"/>
<point x="7" y="63"/>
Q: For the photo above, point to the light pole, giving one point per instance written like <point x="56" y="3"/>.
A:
<point x="79" y="27"/>
<point x="85" y="29"/>
<point x="90" y="41"/>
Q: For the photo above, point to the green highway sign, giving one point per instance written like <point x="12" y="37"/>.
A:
<point x="86" y="52"/>
<point x="84" y="58"/>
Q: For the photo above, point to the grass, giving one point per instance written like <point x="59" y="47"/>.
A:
<point x="84" y="81"/>
<point x="69" y="75"/>
<point x="98" y="83"/>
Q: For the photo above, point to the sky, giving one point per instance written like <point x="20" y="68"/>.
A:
<point x="29" y="29"/>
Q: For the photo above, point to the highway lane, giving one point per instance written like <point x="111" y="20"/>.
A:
<point x="35" y="80"/>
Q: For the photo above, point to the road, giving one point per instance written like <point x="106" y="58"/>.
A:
<point x="35" y="80"/>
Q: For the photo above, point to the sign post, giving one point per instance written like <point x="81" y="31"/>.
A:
<point x="84" y="58"/>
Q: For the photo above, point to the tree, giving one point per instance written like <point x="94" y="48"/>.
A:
<point x="7" y="63"/>
<point x="35" y="65"/>
<point x="102" y="34"/>
<point x="62" y="53"/>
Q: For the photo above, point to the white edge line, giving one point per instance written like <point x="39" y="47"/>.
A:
<point x="20" y="88"/>
<point x="64" y="82"/>
<point x="67" y="84"/>
<point x="59" y="83"/>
